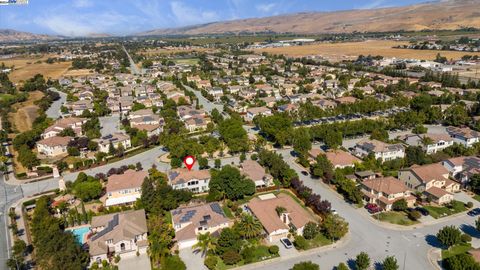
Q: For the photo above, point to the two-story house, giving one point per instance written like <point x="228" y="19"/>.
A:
<point x="431" y="180"/>
<point x="381" y="150"/>
<point x="462" y="168"/>
<point x="194" y="180"/>
<point x="385" y="191"/>
<point x="430" y="143"/>
<point x="115" y="140"/>
<point x="53" y="146"/>
<point x="257" y="111"/>
<point x="147" y="121"/>
<point x="465" y="136"/>
<point x="190" y="221"/>
<point x="255" y="172"/>
<point x="124" y="189"/>
<point x="71" y="122"/>
<point x="122" y="234"/>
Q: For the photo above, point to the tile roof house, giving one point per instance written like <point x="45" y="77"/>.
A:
<point x="115" y="139"/>
<point x="53" y="146"/>
<point x="255" y="172"/>
<point x="190" y="221"/>
<point x="341" y="159"/>
<point x="465" y="136"/>
<point x="432" y="180"/>
<point x="437" y="142"/>
<point x="124" y="188"/>
<point x="122" y="233"/>
<point x="256" y="111"/>
<point x="385" y="191"/>
<point x="194" y="180"/>
<point x="146" y="120"/>
<point x="278" y="225"/>
<point x="78" y="107"/>
<point x="462" y="168"/>
<point x="381" y="150"/>
<point x="74" y="123"/>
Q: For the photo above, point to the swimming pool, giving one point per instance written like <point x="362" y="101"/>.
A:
<point x="80" y="234"/>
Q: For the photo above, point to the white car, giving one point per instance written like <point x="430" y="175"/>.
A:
<point x="286" y="242"/>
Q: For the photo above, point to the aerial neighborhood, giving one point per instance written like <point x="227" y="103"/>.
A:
<point x="260" y="150"/>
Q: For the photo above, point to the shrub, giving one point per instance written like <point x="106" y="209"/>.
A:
<point x="469" y="204"/>
<point x="248" y="254"/>
<point x="466" y="238"/>
<point x="211" y="262"/>
<point x="231" y="257"/>
<point x="174" y="263"/>
<point x="414" y="215"/>
<point x="342" y="266"/>
<point x="273" y="249"/>
<point x="300" y="242"/>
<point x="311" y="230"/>
<point x="306" y="266"/>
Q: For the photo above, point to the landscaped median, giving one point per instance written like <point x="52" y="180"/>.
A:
<point x="394" y="217"/>
<point x="452" y="208"/>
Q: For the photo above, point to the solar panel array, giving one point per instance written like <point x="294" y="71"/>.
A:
<point x="188" y="216"/>
<point x="217" y="209"/>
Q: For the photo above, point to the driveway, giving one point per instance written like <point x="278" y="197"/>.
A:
<point x="109" y="124"/>
<point x="192" y="260"/>
<point x="283" y="251"/>
<point x="141" y="262"/>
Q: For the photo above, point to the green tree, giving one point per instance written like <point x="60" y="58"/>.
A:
<point x="160" y="238"/>
<point x="419" y="129"/>
<point x="334" y="227"/>
<point x="202" y="163"/>
<point x="400" y="205"/>
<point x="305" y="266"/>
<point x="449" y="236"/>
<point x="342" y="266"/>
<point x="173" y="263"/>
<point x="362" y="261"/>
<point x="311" y="230"/>
<point x="302" y="141"/>
<point x="218" y="163"/>
<point x="322" y="168"/>
<point x="390" y="263"/>
<point x="379" y="134"/>
<point x="234" y="135"/>
<point x="456" y="115"/>
<point x="205" y="243"/>
<point x="231" y="182"/>
<point x="460" y="262"/>
<point x="249" y="227"/>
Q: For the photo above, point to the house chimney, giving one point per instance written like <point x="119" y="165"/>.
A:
<point x="286" y="218"/>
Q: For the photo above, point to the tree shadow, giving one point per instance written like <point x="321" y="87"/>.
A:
<point x="351" y="264"/>
<point x="378" y="266"/>
<point x="470" y="230"/>
<point x="432" y="240"/>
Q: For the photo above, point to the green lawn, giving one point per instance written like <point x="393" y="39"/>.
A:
<point x="227" y="211"/>
<point x="455" y="250"/>
<point x="187" y="61"/>
<point x="400" y="218"/>
<point x="477" y="197"/>
<point x="261" y="253"/>
<point x="443" y="211"/>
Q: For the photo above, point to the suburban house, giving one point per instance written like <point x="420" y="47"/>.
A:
<point x="430" y="143"/>
<point x="462" y="168"/>
<point x="381" y="150"/>
<point x="253" y="112"/>
<point x="385" y="191"/>
<point x="465" y="136"/>
<point x="124" y="189"/>
<point x="53" y="146"/>
<point x="78" y="107"/>
<point x="120" y="105"/>
<point x="190" y="221"/>
<point x="432" y="180"/>
<point x="197" y="122"/>
<point x="146" y="120"/>
<point x="194" y="180"/>
<point x="255" y="172"/>
<point x="114" y="139"/>
<point x="341" y="159"/>
<point x="277" y="224"/>
<point x="71" y="122"/>
<point x="123" y="233"/>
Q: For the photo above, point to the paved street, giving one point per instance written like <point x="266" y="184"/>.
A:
<point x="207" y="105"/>
<point x="54" y="110"/>
<point x="133" y="68"/>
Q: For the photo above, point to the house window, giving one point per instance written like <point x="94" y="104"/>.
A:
<point x="122" y="246"/>
<point x="109" y="241"/>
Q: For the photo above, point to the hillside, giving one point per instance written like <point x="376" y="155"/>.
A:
<point x="446" y="14"/>
<point x="8" y="35"/>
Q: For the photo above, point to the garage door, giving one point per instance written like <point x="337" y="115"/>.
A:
<point x="186" y="243"/>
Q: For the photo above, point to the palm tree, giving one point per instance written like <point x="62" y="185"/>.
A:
<point x="249" y="227"/>
<point x="205" y="243"/>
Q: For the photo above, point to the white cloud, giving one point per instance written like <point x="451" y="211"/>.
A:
<point x="186" y="15"/>
<point x="82" y="3"/>
<point x="84" y="24"/>
<point x="265" y="7"/>
<point x="375" y="4"/>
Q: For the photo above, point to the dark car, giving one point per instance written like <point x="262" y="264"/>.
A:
<point x="373" y="208"/>
<point x="474" y="212"/>
<point x="305" y="173"/>
<point x="286" y="242"/>
<point x="422" y="211"/>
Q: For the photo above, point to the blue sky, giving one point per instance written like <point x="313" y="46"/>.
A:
<point x="122" y="17"/>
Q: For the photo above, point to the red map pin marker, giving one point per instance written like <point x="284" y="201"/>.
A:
<point x="189" y="161"/>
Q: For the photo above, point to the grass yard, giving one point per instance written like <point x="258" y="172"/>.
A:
<point x="455" y="250"/>
<point x="351" y="50"/>
<point x="25" y="112"/>
<point x="260" y="253"/>
<point x="443" y="211"/>
<point x="399" y="218"/>
<point x="477" y="197"/>
<point x="319" y="241"/>
<point x="227" y="211"/>
<point x="188" y="61"/>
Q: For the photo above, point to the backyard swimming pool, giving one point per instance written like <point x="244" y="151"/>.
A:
<point x="80" y="234"/>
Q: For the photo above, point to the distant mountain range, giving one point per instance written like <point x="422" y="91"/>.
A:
<point x="443" y="14"/>
<point x="447" y="14"/>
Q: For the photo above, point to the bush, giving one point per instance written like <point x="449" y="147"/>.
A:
<point x="300" y="242"/>
<point x="342" y="266"/>
<point x="469" y="204"/>
<point x="248" y="254"/>
<point x="306" y="266"/>
<point x="273" y="249"/>
<point x="231" y="257"/>
<point x="174" y="263"/>
<point x="211" y="262"/>
<point x="466" y="238"/>
<point x="414" y="215"/>
<point x="311" y="230"/>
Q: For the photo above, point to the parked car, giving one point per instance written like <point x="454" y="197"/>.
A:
<point x="305" y="173"/>
<point x="373" y="208"/>
<point x="334" y="212"/>
<point x="474" y="212"/>
<point x="422" y="211"/>
<point x="286" y="242"/>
